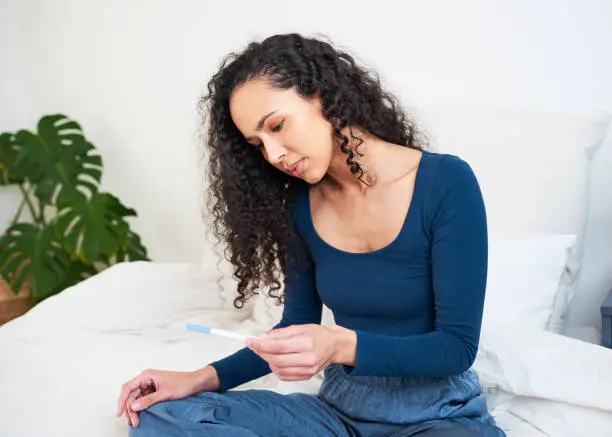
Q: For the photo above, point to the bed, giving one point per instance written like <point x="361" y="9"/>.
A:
<point x="546" y="186"/>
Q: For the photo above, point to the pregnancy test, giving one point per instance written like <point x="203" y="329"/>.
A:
<point x="218" y="332"/>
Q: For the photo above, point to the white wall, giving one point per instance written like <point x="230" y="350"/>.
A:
<point x="131" y="73"/>
<point x="14" y="96"/>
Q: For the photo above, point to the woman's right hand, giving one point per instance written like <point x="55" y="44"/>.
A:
<point x="153" y="386"/>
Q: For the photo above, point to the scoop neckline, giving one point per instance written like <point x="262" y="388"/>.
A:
<point x="415" y="194"/>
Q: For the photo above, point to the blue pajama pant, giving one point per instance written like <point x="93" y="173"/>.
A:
<point x="346" y="406"/>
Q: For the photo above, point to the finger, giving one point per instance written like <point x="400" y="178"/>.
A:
<point x="294" y="378"/>
<point x="128" y="387"/>
<point x="126" y="390"/>
<point x="143" y="389"/>
<point x="148" y="400"/>
<point x="122" y="407"/>
<point x="282" y="346"/>
<point x="295" y="372"/>
<point x="282" y="361"/>
<point x="122" y="398"/>
<point x="286" y="332"/>
<point x="132" y="416"/>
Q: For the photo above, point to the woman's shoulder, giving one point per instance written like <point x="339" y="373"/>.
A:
<point x="447" y="164"/>
<point x="450" y="181"/>
<point x="445" y="170"/>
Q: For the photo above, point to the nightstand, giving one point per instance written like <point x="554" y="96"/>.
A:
<point x="606" y="321"/>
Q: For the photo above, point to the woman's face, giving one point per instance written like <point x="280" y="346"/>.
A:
<point x="290" y="131"/>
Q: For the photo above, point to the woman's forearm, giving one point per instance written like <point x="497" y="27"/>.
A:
<point x="206" y="379"/>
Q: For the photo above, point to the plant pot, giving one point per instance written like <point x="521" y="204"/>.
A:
<point x="11" y="305"/>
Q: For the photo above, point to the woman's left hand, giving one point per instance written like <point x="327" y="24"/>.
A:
<point x="298" y="352"/>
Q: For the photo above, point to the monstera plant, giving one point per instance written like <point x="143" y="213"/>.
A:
<point x="73" y="230"/>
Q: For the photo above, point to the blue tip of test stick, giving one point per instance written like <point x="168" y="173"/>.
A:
<point x="199" y="328"/>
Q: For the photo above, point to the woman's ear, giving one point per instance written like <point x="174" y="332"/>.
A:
<point x="337" y="123"/>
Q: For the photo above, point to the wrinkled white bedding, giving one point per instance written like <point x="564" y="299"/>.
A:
<point x="541" y="382"/>
<point x="63" y="363"/>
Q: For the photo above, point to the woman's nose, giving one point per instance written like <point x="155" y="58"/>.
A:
<point x="275" y="151"/>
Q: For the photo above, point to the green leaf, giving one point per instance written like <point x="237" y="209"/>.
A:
<point x="10" y="171"/>
<point x="29" y="252"/>
<point x="91" y="228"/>
<point x="77" y="271"/>
<point x="59" y="158"/>
<point x="132" y="249"/>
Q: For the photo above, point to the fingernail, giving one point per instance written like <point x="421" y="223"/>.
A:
<point x="136" y="406"/>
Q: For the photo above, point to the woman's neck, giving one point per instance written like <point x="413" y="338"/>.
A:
<point x="375" y="157"/>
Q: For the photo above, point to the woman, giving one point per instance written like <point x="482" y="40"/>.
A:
<point x="317" y="174"/>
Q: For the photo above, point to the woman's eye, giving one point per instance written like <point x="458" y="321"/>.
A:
<point x="278" y="127"/>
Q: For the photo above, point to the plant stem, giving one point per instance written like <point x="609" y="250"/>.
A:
<point x="26" y="197"/>
<point x="41" y="210"/>
<point x="19" y="211"/>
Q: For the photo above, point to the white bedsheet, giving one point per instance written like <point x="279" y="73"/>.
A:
<point x="63" y="363"/>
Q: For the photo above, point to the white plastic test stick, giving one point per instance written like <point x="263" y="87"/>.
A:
<point x="218" y="332"/>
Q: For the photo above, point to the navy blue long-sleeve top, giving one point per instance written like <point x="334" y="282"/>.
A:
<point x="416" y="304"/>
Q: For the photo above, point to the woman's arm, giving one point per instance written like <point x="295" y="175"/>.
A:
<point x="459" y="269"/>
<point x="302" y="306"/>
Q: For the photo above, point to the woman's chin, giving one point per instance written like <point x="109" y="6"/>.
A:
<point x="307" y="173"/>
<point x="311" y="177"/>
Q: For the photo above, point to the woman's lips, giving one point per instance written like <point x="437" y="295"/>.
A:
<point x="296" y="169"/>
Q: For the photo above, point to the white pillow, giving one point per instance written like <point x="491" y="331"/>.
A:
<point x="569" y="279"/>
<point x="524" y="272"/>
<point x="595" y="248"/>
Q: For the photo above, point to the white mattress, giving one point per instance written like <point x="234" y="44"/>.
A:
<point x="63" y="363"/>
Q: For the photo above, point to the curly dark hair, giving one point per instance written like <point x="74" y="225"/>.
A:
<point x="251" y="201"/>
